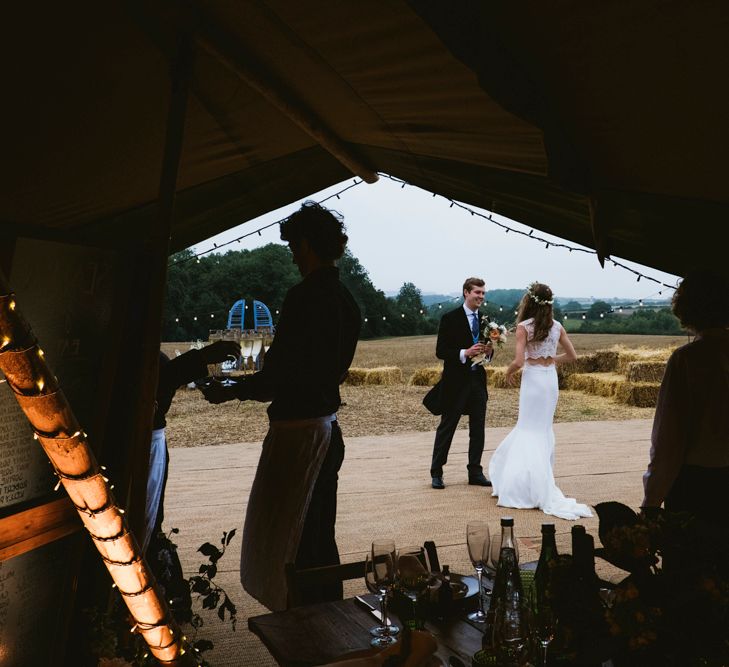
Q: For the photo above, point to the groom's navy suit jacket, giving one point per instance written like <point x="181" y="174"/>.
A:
<point x="454" y="335"/>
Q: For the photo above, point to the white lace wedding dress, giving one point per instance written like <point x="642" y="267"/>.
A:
<point x="521" y="467"/>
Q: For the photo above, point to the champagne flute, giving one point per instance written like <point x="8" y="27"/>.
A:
<point x="544" y="623"/>
<point x="379" y="577"/>
<point x="478" y="542"/>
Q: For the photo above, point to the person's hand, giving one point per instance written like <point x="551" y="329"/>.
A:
<point x="220" y="350"/>
<point x="217" y="393"/>
<point x="511" y="379"/>
<point x="476" y="348"/>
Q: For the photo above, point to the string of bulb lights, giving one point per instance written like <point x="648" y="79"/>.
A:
<point x="213" y="315"/>
<point x="258" y="231"/>
<point x="39" y="395"/>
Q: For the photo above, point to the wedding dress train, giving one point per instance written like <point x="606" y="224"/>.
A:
<point x="521" y="468"/>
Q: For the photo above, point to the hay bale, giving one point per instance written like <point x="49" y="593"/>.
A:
<point x="356" y="376"/>
<point x="497" y="378"/>
<point x="598" y="384"/>
<point x="645" y="371"/>
<point x="627" y="357"/>
<point x="385" y="375"/>
<point x="585" y="363"/>
<point x="639" y="394"/>
<point x="606" y="361"/>
<point x="426" y="377"/>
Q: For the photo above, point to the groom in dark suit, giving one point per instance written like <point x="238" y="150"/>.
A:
<point x="463" y="390"/>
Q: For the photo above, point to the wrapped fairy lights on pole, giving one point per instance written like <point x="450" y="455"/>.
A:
<point x="40" y="397"/>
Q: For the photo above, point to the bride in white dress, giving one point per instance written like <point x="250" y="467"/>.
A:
<point x="521" y="467"/>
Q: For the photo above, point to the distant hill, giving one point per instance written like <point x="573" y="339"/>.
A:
<point x="430" y="299"/>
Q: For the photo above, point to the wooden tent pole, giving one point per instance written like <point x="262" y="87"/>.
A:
<point x="283" y="100"/>
<point x="150" y="291"/>
<point x="39" y="395"/>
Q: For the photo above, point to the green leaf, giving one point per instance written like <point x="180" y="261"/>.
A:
<point x="211" y="551"/>
<point x="199" y="585"/>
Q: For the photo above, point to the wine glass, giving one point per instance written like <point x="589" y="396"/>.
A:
<point x="478" y="542"/>
<point x="543" y="622"/>
<point x="379" y="577"/>
<point x="413" y="572"/>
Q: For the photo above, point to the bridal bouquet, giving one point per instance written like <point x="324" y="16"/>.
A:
<point x="490" y="332"/>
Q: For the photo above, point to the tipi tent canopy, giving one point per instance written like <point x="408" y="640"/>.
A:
<point x="535" y="110"/>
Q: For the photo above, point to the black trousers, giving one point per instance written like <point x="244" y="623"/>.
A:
<point x="476" y="409"/>
<point x="318" y="546"/>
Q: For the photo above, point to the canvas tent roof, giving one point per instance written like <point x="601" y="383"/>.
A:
<point x="534" y="110"/>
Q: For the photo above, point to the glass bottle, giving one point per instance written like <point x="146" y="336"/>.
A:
<point x="511" y="636"/>
<point x="585" y="614"/>
<point x="498" y="590"/>
<point x="547" y="559"/>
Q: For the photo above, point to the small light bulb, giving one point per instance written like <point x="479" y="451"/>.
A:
<point x="6" y="341"/>
<point x="40" y="384"/>
<point x="40" y="353"/>
<point x="11" y="305"/>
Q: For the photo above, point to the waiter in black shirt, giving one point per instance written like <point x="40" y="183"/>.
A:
<point x="293" y="503"/>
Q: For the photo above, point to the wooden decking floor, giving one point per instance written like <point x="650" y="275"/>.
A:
<point x="385" y="491"/>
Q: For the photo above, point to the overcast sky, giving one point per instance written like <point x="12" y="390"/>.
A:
<point x="406" y="235"/>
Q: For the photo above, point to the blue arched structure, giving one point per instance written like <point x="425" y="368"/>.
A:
<point x="261" y="316"/>
<point x="236" y="314"/>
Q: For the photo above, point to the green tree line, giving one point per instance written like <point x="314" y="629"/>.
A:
<point x="201" y="291"/>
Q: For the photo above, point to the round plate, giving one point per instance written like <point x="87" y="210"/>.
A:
<point x="463" y="586"/>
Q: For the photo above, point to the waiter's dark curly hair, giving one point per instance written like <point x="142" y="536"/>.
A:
<point x="702" y="301"/>
<point x="322" y="228"/>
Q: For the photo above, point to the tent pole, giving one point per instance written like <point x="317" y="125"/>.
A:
<point x="283" y="100"/>
<point x="148" y="297"/>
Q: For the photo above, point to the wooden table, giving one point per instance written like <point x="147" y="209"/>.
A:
<point x="320" y="633"/>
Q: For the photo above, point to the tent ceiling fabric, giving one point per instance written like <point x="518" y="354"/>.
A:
<point x="530" y="109"/>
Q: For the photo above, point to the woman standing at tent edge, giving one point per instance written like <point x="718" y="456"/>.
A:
<point x="521" y="468"/>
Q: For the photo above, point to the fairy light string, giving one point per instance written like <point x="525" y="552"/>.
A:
<point x="54" y="426"/>
<point x="488" y="216"/>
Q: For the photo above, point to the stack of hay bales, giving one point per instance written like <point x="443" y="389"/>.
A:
<point x="384" y="375"/>
<point x="630" y="376"/>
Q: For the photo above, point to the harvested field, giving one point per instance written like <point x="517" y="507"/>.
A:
<point x="369" y="410"/>
<point x="375" y="409"/>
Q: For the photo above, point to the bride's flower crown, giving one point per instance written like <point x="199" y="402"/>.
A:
<point x="538" y="300"/>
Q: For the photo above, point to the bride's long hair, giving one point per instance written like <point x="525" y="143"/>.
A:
<point x="537" y="303"/>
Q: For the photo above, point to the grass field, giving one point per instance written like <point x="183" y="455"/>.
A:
<point x="376" y="410"/>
